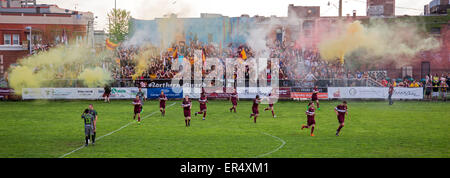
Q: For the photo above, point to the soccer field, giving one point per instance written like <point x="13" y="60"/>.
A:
<point x="52" y="129"/>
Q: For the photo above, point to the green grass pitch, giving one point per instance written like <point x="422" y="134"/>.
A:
<point x="52" y="129"/>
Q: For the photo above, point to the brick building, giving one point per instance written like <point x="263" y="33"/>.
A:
<point x="49" y="25"/>
<point x="381" y="8"/>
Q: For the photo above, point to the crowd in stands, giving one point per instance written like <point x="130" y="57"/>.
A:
<point x="304" y="66"/>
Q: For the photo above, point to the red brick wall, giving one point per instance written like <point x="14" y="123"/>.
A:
<point x="10" y="57"/>
<point x="48" y="31"/>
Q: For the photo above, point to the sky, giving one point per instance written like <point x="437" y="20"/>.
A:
<point x="149" y="9"/>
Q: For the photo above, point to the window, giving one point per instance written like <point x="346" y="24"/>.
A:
<point x="16" y="39"/>
<point x="7" y="39"/>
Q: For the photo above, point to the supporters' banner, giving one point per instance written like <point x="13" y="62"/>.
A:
<point x="243" y="92"/>
<point x="78" y="93"/>
<point x="251" y="92"/>
<point x="284" y="92"/>
<point x="306" y="93"/>
<point x="160" y="84"/>
<point x="6" y="92"/>
<point x="175" y="92"/>
<point x="374" y="92"/>
<point x="407" y="93"/>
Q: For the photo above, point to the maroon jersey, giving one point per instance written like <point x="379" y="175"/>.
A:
<point x="310" y="113"/>
<point x="137" y="105"/>
<point x="255" y="106"/>
<point x="391" y="90"/>
<point x="162" y="100"/>
<point x="202" y="100"/>
<point x="341" y="109"/>
<point x="186" y="108"/>
<point x="314" y="94"/>
<point x="234" y="98"/>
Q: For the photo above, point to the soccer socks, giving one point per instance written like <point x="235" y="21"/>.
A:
<point x="87" y="140"/>
<point x="139" y="118"/>
<point x="93" y="137"/>
<point x="204" y="114"/>
<point x="312" y="130"/>
<point x="185" y="121"/>
<point x="273" y="114"/>
<point x="339" y="129"/>
<point x="254" y="120"/>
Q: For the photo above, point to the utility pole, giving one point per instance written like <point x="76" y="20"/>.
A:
<point x="340" y="8"/>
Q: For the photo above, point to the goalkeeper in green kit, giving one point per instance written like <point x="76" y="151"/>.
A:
<point x="88" y="126"/>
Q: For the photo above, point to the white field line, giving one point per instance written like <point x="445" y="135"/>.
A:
<point x="275" y="150"/>
<point x="126" y="125"/>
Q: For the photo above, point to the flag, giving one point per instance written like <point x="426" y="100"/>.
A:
<point x="243" y="55"/>
<point x="175" y="53"/>
<point x="203" y="57"/>
<point x="110" y="45"/>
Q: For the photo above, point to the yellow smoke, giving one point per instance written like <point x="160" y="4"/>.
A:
<point x="143" y="60"/>
<point x="95" y="77"/>
<point x="379" y="41"/>
<point x="59" y="67"/>
<point x="352" y="38"/>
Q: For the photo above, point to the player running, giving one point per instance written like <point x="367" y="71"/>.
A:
<point x="202" y="100"/>
<point x="141" y="95"/>
<point x="255" y="111"/>
<point x="88" y="126"/>
<point x="341" y="112"/>
<point x="311" y="122"/>
<point x="162" y="103"/>
<point x="314" y="96"/>
<point x="270" y="107"/>
<point x="186" y="105"/>
<point x="234" y="99"/>
<point x="137" y="108"/>
<point x="107" y="93"/>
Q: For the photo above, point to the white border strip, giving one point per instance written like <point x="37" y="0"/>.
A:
<point x="126" y="125"/>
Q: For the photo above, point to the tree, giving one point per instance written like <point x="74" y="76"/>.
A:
<point x="119" y="20"/>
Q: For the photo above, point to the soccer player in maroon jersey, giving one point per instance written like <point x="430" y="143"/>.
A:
<point x="391" y="91"/>
<point x="234" y="99"/>
<point x="314" y="96"/>
<point x="137" y="108"/>
<point x="311" y="122"/>
<point x="255" y="111"/>
<point x="162" y="103"/>
<point x="270" y="107"/>
<point x="186" y="105"/>
<point x="341" y="112"/>
<point x="202" y="100"/>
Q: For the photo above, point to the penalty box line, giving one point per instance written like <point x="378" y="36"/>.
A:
<point x="126" y="125"/>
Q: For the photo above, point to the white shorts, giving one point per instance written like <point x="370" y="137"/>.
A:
<point x="435" y="94"/>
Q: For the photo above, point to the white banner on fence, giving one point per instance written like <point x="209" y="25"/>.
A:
<point x="78" y="93"/>
<point x="374" y="92"/>
<point x="243" y="92"/>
